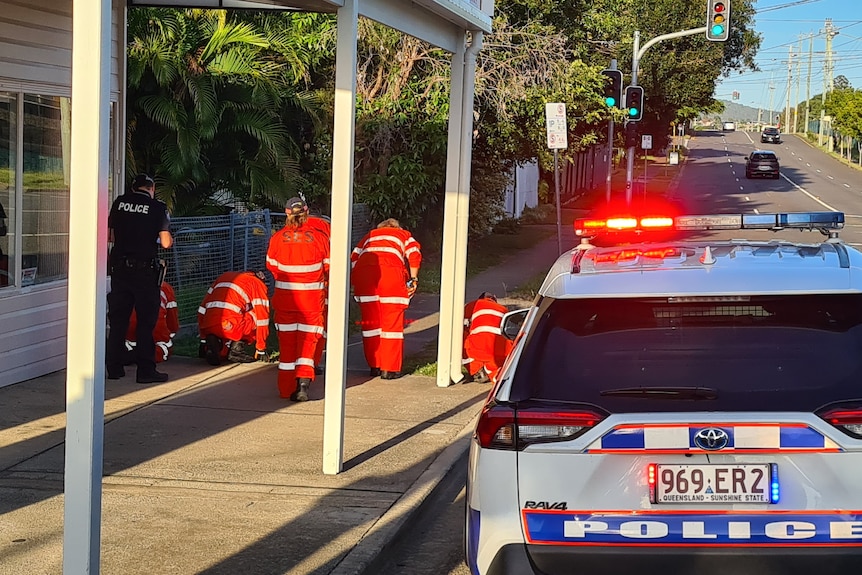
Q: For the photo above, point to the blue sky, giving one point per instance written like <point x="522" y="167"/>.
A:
<point x="781" y="24"/>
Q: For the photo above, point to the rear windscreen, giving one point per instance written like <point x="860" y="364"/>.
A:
<point x="770" y="132"/>
<point x="767" y="157"/>
<point x="776" y="353"/>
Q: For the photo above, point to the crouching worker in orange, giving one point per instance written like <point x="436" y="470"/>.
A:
<point x="485" y="346"/>
<point x="167" y="325"/>
<point x="298" y="257"/>
<point x="385" y="265"/>
<point x="234" y="312"/>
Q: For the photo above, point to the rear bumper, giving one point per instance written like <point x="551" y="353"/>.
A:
<point x="564" y="560"/>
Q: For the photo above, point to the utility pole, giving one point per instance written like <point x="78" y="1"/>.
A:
<point x="609" y="174"/>
<point x="828" y="81"/>
<point x="798" y="81"/>
<point x="808" y="83"/>
<point x="771" y="95"/>
<point x="785" y="128"/>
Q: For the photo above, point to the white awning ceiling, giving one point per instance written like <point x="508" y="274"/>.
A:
<point x="462" y="14"/>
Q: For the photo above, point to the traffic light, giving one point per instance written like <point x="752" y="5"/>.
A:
<point x="717" y="20"/>
<point x="634" y="103"/>
<point x="613" y="88"/>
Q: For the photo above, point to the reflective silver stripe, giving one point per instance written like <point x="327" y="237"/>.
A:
<point x="387" y="250"/>
<point x="486" y="329"/>
<point x="400" y="300"/>
<point x="299" y="327"/>
<point x="164" y="349"/>
<point x="286" y="366"/>
<point x="223" y="305"/>
<point x="130" y="345"/>
<point x="482" y="312"/>
<point x="202" y="310"/>
<point x="305" y="361"/>
<point x="300" y="286"/>
<point x="466" y="361"/>
<point x="296" y="269"/>
<point x="234" y="287"/>
<point x="391" y="335"/>
<point x="326" y="261"/>
<point x="367" y="298"/>
<point x="171" y="304"/>
<point x="372" y="332"/>
<point x="262" y="322"/>
<point x="394" y="239"/>
<point x="259" y="301"/>
<point x="411" y="251"/>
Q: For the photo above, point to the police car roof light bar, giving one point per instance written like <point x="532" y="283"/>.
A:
<point x="777" y="221"/>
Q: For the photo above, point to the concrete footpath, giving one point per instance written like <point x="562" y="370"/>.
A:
<point x="212" y="473"/>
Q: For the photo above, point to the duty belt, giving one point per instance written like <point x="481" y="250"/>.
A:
<point x="137" y="264"/>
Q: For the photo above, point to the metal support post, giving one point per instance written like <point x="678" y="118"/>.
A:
<point x="613" y="66"/>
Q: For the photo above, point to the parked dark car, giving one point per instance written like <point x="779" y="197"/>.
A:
<point x="770" y="135"/>
<point x="761" y="163"/>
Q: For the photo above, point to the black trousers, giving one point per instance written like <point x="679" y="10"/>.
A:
<point x="139" y="290"/>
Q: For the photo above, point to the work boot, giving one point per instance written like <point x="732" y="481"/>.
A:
<point x="374" y="372"/>
<point x="237" y="353"/>
<point x="115" y="372"/>
<point x="301" y="393"/>
<point x="481" y="377"/>
<point x="213" y="350"/>
<point x="152" y="377"/>
<point x="390" y="375"/>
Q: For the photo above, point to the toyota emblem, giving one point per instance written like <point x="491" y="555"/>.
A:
<point x="711" y="438"/>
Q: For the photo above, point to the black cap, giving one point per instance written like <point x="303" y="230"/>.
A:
<point x="142" y="181"/>
<point x="296" y="205"/>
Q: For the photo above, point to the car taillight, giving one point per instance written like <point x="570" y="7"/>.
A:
<point x="504" y="428"/>
<point x="848" y="420"/>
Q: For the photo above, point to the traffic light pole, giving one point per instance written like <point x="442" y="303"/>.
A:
<point x="637" y="54"/>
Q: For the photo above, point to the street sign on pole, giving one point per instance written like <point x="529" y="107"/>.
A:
<point x="646" y="142"/>
<point x="555" y="121"/>
<point x="555" y="118"/>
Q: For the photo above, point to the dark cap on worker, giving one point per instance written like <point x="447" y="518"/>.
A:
<point x="142" y="181"/>
<point x="296" y="205"/>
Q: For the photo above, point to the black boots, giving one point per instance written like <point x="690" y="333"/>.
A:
<point x="237" y="353"/>
<point x="301" y="393"/>
<point x="390" y="375"/>
<point x="213" y="350"/>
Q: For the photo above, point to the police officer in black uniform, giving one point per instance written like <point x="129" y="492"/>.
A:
<point x="138" y="224"/>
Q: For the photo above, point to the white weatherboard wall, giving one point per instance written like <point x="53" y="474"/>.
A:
<point x="36" y="58"/>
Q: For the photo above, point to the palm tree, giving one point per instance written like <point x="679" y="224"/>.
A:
<point x="206" y="90"/>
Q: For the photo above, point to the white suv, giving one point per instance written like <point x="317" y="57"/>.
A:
<point x="679" y="407"/>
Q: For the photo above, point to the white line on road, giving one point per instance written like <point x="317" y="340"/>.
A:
<point x="830" y="177"/>
<point x="804" y="191"/>
<point x="807" y="164"/>
<point x="756" y="211"/>
<point x="846" y="185"/>
<point x="747" y="199"/>
<point x="819" y="171"/>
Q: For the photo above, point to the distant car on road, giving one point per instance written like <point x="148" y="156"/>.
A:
<point x="761" y="164"/>
<point x="770" y="135"/>
<point x="728" y="127"/>
<point x="679" y="407"/>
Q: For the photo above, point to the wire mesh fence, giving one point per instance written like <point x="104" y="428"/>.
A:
<point x="206" y="247"/>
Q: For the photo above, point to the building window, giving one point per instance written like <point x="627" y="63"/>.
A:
<point x="8" y="137"/>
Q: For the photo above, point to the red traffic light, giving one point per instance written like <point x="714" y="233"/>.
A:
<point x="718" y="7"/>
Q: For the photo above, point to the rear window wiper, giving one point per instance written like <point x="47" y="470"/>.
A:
<point x="663" y="392"/>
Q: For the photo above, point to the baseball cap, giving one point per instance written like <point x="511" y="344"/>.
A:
<point x="142" y="181"/>
<point x="296" y="205"/>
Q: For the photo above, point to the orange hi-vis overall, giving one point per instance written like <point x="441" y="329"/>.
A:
<point x="325" y="229"/>
<point x="380" y="273"/>
<point x="299" y="260"/>
<point x="236" y="308"/>
<point x="485" y="347"/>
<point x="167" y="325"/>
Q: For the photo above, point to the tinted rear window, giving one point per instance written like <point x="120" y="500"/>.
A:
<point x="777" y="353"/>
<point x="770" y="131"/>
<point x="766" y="157"/>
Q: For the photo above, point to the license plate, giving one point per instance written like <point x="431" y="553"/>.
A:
<point x="763" y="168"/>
<point x="714" y="483"/>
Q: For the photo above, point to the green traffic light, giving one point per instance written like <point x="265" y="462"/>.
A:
<point x="717" y="30"/>
<point x="633" y="112"/>
<point x="611" y="101"/>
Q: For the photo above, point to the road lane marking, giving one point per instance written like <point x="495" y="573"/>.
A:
<point x="807" y="164"/>
<point x="830" y="177"/>
<point x="819" y="172"/>
<point x="846" y="185"/>
<point x="804" y="191"/>
<point x="747" y="199"/>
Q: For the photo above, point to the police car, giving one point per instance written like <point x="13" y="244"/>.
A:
<point x="684" y="406"/>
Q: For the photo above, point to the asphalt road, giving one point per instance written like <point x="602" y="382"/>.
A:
<point x="713" y="181"/>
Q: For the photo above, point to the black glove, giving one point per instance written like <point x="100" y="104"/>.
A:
<point x="260" y="355"/>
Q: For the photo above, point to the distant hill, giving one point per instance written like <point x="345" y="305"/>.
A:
<point x="734" y="112"/>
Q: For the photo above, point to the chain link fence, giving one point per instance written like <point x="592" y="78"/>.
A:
<point x="206" y="247"/>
